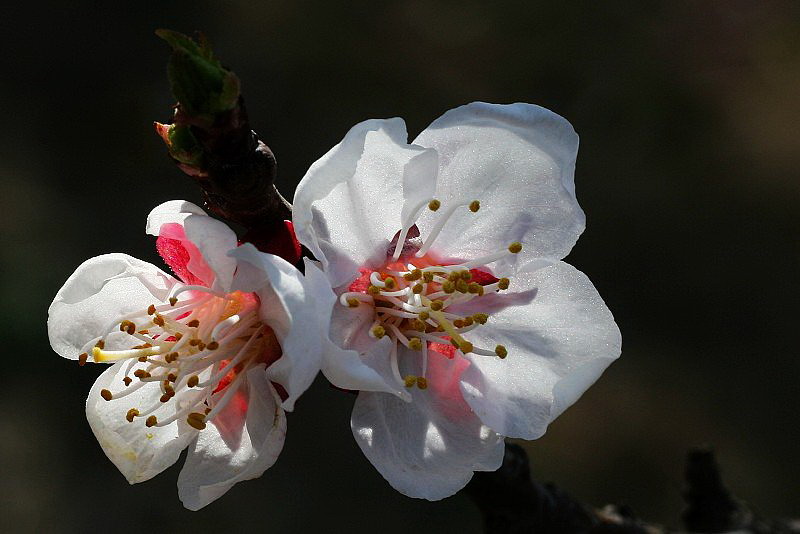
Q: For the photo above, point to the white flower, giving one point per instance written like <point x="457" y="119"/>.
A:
<point x="475" y="332"/>
<point x="197" y="362"/>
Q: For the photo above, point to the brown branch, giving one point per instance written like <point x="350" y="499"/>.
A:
<point x="513" y="503"/>
<point x="210" y="139"/>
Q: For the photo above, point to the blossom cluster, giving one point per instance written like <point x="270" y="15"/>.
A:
<point x="434" y="288"/>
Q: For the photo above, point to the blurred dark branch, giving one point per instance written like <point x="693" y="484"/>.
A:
<point x="512" y="503"/>
<point x="210" y="139"/>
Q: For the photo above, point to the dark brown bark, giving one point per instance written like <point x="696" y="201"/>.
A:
<point x="238" y="170"/>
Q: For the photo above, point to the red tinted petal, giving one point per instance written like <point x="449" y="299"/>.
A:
<point x="446" y="349"/>
<point x="176" y="256"/>
<point x="361" y="283"/>
<point x="277" y="238"/>
<point x="482" y="277"/>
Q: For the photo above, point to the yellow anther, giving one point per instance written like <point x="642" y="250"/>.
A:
<point x="501" y="351"/>
<point x="374" y="290"/>
<point x="207" y="411"/>
<point x="415" y="343"/>
<point x="468" y="321"/>
<point x="424" y="316"/>
<point x="422" y="382"/>
<point x="193" y="381"/>
<point x="106" y="394"/>
<point x="127" y="327"/>
<point x="212" y="346"/>
<point x="127" y="380"/>
<point x="417" y="325"/>
<point x="82" y="359"/>
<point x="515" y="247"/>
<point x="196" y="420"/>
<point x="151" y="309"/>
<point x="378" y="331"/>
<point x="454" y="276"/>
<point x="201" y="346"/>
<point x="390" y="283"/>
<point x="466" y="275"/>
<point x="480" y="318"/>
<point x="462" y="286"/>
<point x="142" y="358"/>
<point x="458" y="323"/>
<point x="465" y="346"/>
<point x="141" y="374"/>
<point x="143" y="346"/>
<point x="194" y="323"/>
<point x="434" y="205"/>
<point x="172" y="377"/>
<point x="173" y="301"/>
<point x="475" y="288"/>
<point x="448" y="287"/>
<point x="177" y="336"/>
<point x="436" y="305"/>
<point x="353" y="302"/>
<point x="503" y="283"/>
<point x="165" y="397"/>
<point x="474" y="206"/>
<point x="427" y="276"/>
<point x="410" y="380"/>
<point x="194" y="342"/>
<point x="415" y="274"/>
<point x="100" y="344"/>
<point x="171" y="357"/>
<point x="133" y="412"/>
<point x="151" y="421"/>
<point x="144" y="331"/>
<point x="417" y="289"/>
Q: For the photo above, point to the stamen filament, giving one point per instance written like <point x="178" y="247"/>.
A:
<point x="202" y="289"/>
<point x="438" y="228"/>
<point x="230" y="391"/>
<point x="375" y="278"/>
<point x="230" y="321"/>
<point x="407" y="224"/>
<point x="354" y="295"/>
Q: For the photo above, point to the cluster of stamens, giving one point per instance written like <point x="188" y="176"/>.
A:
<point x="411" y="295"/>
<point x="204" y="343"/>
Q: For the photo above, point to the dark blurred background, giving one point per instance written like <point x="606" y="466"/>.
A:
<point x="688" y="172"/>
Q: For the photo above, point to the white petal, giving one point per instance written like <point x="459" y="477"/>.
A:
<point x="519" y="161"/>
<point x="367" y="371"/>
<point x="172" y="211"/>
<point x="139" y="452"/>
<point x="101" y="290"/>
<point x="419" y="183"/>
<point x="212" y="238"/>
<point x="242" y="442"/>
<point x="347" y="207"/>
<point x="291" y="307"/>
<point x="427" y="448"/>
<point x="560" y="336"/>
<point x="354" y="360"/>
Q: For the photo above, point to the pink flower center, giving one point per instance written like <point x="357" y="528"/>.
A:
<point x="413" y="294"/>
